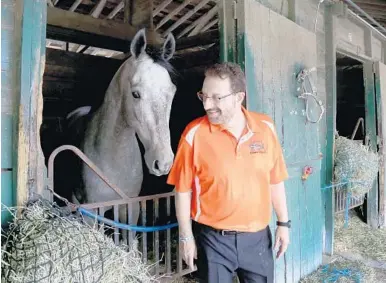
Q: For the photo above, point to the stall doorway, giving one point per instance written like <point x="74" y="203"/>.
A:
<point x="350" y="118"/>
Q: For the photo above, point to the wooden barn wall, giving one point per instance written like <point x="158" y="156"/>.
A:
<point x="336" y="29"/>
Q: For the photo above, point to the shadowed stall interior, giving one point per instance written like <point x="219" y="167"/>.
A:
<point x="350" y="109"/>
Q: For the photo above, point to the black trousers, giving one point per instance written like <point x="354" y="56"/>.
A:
<point x="222" y="254"/>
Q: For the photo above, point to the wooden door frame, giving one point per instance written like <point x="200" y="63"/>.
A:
<point x="30" y="169"/>
<point x="370" y="121"/>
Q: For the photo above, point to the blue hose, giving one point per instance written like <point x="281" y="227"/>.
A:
<point x="125" y="226"/>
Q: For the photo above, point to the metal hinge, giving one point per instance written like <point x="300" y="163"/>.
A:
<point x="234" y="8"/>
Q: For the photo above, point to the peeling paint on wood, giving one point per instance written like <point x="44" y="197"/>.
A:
<point x="272" y="89"/>
<point x="371" y="135"/>
<point x="380" y="89"/>
<point x="30" y="162"/>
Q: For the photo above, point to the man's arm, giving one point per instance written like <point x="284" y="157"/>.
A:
<point x="182" y="202"/>
<point x="279" y="201"/>
<point x="279" y="204"/>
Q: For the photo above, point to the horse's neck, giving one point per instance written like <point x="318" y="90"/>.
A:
<point x="108" y="122"/>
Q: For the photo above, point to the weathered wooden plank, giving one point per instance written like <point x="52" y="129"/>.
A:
<point x="10" y="89"/>
<point x="30" y="166"/>
<point x="227" y="31"/>
<point x="328" y="151"/>
<point x="272" y="88"/>
<point x="371" y="135"/>
<point x="108" y="42"/>
<point x="380" y="89"/>
<point x="87" y="24"/>
<point x="142" y="13"/>
<point x="72" y="65"/>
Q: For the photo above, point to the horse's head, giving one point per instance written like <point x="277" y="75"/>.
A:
<point x="148" y="97"/>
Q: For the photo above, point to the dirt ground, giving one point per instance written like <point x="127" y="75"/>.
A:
<point x="356" y="247"/>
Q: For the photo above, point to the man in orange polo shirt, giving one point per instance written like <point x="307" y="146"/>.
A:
<point x="228" y="173"/>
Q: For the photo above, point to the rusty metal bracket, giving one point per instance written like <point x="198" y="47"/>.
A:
<point x="86" y="160"/>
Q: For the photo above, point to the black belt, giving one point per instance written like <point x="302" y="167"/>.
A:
<point x="220" y="231"/>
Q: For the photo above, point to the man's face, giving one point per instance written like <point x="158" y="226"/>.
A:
<point x="219" y="109"/>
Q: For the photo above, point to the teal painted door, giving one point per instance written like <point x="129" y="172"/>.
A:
<point x="10" y="62"/>
<point x="23" y="27"/>
<point x="273" y="50"/>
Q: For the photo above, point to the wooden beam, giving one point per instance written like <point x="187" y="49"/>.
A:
<point x="98" y="8"/>
<point x="161" y="6"/>
<point x="116" y="10"/>
<point x="85" y="30"/>
<point x="77" y="23"/>
<point x="209" y="25"/>
<point x="203" y="21"/>
<point x="142" y="13"/>
<point x="75" y="5"/>
<point x="127" y="11"/>
<point x="197" y="40"/>
<point x="172" y="13"/>
<point x="328" y="151"/>
<point x="209" y="14"/>
<point x="186" y="16"/>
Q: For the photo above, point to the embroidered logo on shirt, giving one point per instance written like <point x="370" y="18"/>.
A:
<point x="257" y="147"/>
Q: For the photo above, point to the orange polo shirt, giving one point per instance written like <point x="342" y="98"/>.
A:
<point x="229" y="179"/>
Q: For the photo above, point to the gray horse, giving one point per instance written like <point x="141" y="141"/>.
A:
<point x="137" y="101"/>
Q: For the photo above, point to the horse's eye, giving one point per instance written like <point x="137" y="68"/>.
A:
<point x="136" y="94"/>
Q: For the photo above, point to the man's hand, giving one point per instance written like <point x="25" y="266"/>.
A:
<point x="188" y="251"/>
<point x="282" y="239"/>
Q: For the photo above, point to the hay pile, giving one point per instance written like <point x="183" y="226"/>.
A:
<point x="341" y="271"/>
<point x="359" y="238"/>
<point x="355" y="163"/>
<point x="49" y="244"/>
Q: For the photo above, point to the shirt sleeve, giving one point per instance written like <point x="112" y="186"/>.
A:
<point x="181" y="173"/>
<point x="279" y="171"/>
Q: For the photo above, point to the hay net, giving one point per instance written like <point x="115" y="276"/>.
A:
<point x="48" y="243"/>
<point x="354" y="163"/>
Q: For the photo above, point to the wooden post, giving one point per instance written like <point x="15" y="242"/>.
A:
<point x="328" y="161"/>
<point x="30" y="161"/>
<point x="142" y="13"/>
<point x="227" y="10"/>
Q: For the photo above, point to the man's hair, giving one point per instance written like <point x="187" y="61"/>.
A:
<point x="229" y="70"/>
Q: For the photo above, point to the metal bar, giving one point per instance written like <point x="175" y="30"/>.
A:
<point x="168" y="257"/>
<point x="357" y="126"/>
<point x="101" y="212"/>
<point x="156" y="236"/>
<point x="130" y="221"/>
<point x="366" y="15"/>
<point x="144" y="234"/>
<point x="86" y="160"/>
<point x="126" y="201"/>
<point x="116" y="230"/>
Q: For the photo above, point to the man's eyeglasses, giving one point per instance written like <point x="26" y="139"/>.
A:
<point x="204" y="97"/>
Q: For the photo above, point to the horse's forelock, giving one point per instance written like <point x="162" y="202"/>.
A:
<point x="155" y="54"/>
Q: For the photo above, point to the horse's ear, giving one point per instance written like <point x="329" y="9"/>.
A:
<point x="138" y="44"/>
<point x="169" y="47"/>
